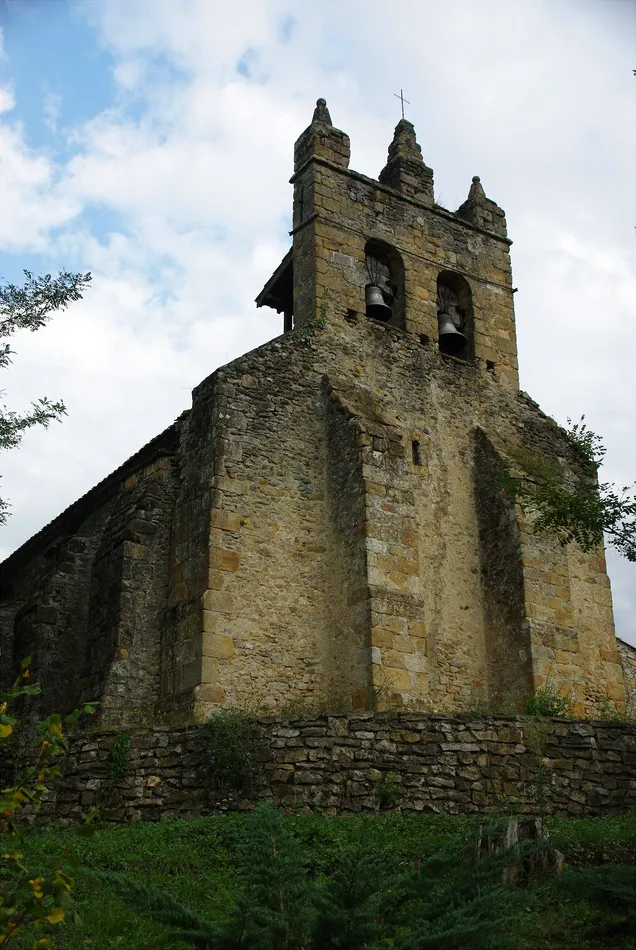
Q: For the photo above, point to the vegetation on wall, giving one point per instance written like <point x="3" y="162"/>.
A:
<point x="229" y="746"/>
<point x="579" y="510"/>
<point x="116" y="767"/>
<point x="307" y="331"/>
<point x="546" y="701"/>
<point x="33" y="895"/>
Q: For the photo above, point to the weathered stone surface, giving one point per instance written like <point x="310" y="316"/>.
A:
<point x="337" y="778"/>
<point x="322" y="531"/>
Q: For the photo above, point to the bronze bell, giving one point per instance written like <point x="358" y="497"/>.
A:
<point x="376" y="304"/>
<point x="451" y="340"/>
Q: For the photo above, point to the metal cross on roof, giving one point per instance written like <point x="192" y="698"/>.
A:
<point x="402" y="100"/>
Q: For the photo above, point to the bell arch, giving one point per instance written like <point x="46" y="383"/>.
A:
<point x="455" y="316"/>
<point x="385" y="297"/>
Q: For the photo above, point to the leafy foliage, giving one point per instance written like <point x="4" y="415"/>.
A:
<point x="451" y="898"/>
<point x="612" y="888"/>
<point x="275" y="884"/>
<point x="116" y="766"/>
<point x="28" y="308"/>
<point x="30" y="898"/>
<point x="385" y="791"/>
<point x="272" y="913"/>
<point x="306" y="332"/>
<point x="200" y="863"/>
<point x="579" y="509"/>
<point x="547" y="702"/>
<point x="348" y="903"/>
<point x="229" y="745"/>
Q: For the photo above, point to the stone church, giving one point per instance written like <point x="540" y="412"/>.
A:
<point x="323" y="529"/>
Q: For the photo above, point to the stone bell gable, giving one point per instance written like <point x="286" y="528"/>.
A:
<point x="323" y="530"/>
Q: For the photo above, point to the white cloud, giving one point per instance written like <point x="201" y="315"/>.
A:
<point x="194" y="158"/>
<point x="51" y="105"/>
<point x="7" y="98"/>
<point x="31" y="203"/>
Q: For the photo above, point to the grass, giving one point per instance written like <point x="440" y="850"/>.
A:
<point x="198" y="863"/>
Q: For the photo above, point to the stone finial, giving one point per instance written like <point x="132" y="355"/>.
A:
<point x="321" y="140"/>
<point x="404" y="142"/>
<point x="482" y="211"/>
<point x="405" y="169"/>
<point x="321" y="112"/>
<point x="476" y="189"/>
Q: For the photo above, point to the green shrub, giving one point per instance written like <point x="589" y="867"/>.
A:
<point x="31" y="897"/>
<point x="230" y="747"/>
<point x="547" y="702"/>
<point x="200" y="863"/>
<point x="451" y="898"/>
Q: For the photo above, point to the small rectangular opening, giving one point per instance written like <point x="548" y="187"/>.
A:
<point x="490" y="365"/>
<point x="417" y="452"/>
<point x="424" y="339"/>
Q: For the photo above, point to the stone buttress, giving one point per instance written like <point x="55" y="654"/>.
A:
<point x="323" y="530"/>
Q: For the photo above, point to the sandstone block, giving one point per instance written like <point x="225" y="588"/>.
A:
<point x="209" y="665"/>
<point x="616" y="692"/>
<point x="398" y="679"/>
<point x="417" y="628"/>
<point x="216" y="645"/>
<point x="381" y="638"/>
<point x="212" y="621"/>
<point x="216" y="580"/>
<point x="416" y="663"/>
<point x="225" y="520"/>
<point x="208" y="693"/>
<point x="218" y="600"/>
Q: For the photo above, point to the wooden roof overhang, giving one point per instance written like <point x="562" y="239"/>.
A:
<point x="278" y="292"/>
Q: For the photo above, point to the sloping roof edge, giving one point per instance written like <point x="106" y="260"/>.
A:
<point x="270" y="295"/>
<point x="70" y="519"/>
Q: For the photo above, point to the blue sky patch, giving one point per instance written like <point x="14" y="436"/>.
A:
<point x="287" y="26"/>
<point x="247" y="63"/>
<point x="51" y="56"/>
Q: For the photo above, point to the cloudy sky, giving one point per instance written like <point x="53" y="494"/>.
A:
<point x="150" y="142"/>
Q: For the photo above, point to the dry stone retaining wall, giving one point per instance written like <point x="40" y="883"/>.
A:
<point x="350" y="763"/>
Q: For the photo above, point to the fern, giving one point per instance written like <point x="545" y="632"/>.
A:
<point x="612" y="887"/>
<point x="451" y="899"/>
<point x="273" y="912"/>
<point x="347" y="903"/>
<point x="276" y="885"/>
<point x="454" y="899"/>
<point x="162" y="907"/>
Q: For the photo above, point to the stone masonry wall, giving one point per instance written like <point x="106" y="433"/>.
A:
<point x="627" y="654"/>
<point x="127" y="599"/>
<point x="358" y="436"/>
<point x="337" y="764"/>
<point x="44" y="614"/>
<point x="342" y="210"/>
<point x="85" y="598"/>
<point x="267" y="609"/>
<point x="507" y="636"/>
<point x="325" y="548"/>
<point x="321" y="531"/>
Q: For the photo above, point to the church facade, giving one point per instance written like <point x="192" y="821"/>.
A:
<point x="323" y="529"/>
